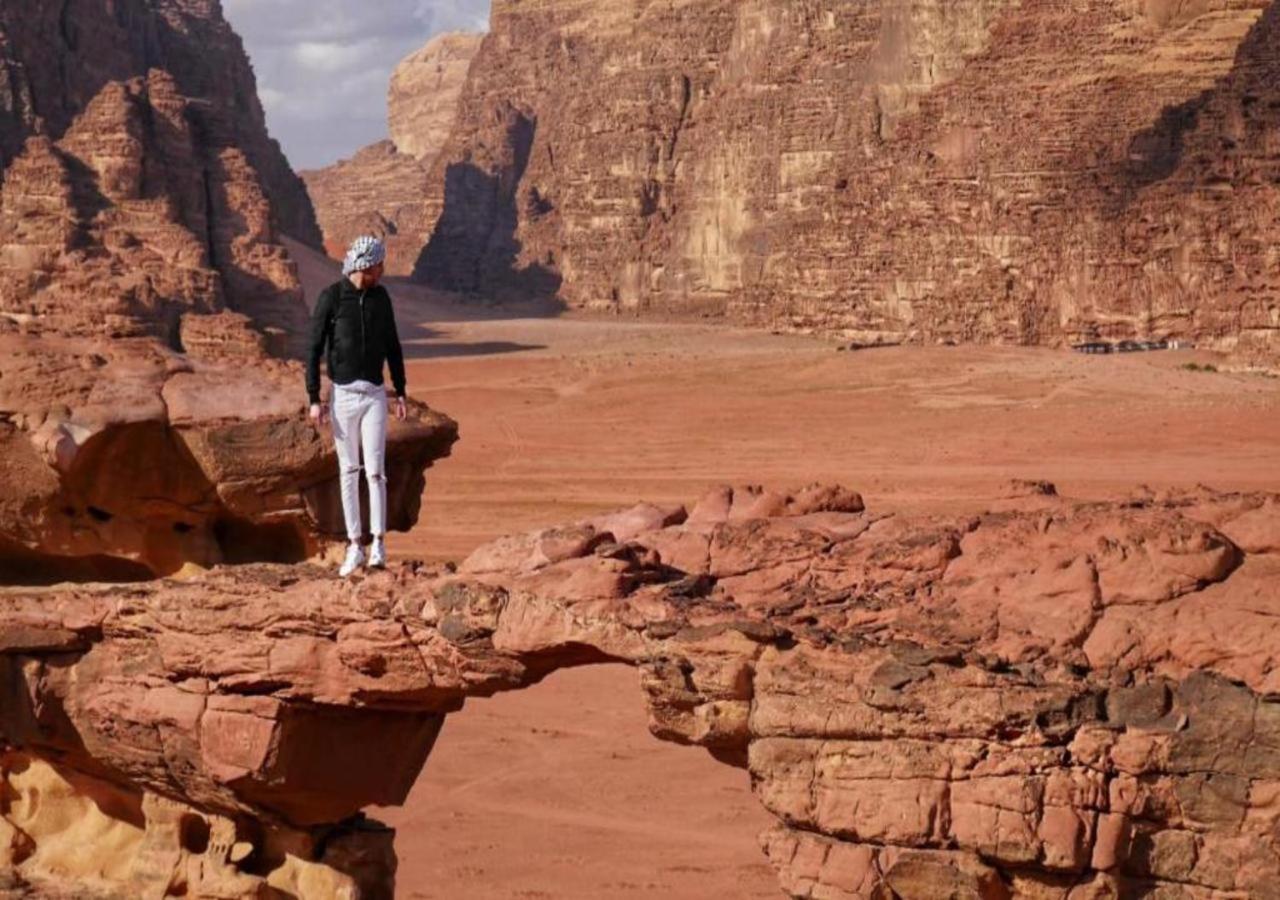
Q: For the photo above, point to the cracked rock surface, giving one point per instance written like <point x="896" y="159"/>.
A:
<point x="1048" y="699"/>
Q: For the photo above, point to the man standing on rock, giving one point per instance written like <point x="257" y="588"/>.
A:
<point x="354" y="327"/>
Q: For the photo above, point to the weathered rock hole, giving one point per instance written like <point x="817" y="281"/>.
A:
<point x="243" y="542"/>
<point x="193" y="834"/>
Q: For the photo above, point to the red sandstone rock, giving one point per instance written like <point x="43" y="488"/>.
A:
<point x="1035" y="702"/>
<point x="146" y="417"/>
<point x="1032" y="172"/>
<point x="378" y="191"/>
<point x="139" y="209"/>
<point x="124" y="458"/>
<point x="55" y="59"/>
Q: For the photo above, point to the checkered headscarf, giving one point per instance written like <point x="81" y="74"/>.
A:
<point x="365" y="253"/>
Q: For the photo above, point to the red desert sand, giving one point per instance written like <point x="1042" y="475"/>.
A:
<point x="558" y="791"/>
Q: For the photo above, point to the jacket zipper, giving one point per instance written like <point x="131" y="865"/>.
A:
<point x="362" y="338"/>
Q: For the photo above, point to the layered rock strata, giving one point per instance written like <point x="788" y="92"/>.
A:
<point x="147" y="416"/>
<point x="138" y="216"/>
<point x="422" y="101"/>
<point x="1030" y="172"/>
<point x="378" y="191"/>
<point x="57" y="57"/>
<point x="382" y="189"/>
<point x="1045" y="700"/>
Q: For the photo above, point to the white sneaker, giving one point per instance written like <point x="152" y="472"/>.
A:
<point x="354" y="560"/>
<point x="378" y="553"/>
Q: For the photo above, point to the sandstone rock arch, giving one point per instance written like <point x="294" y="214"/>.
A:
<point x="1047" y="699"/>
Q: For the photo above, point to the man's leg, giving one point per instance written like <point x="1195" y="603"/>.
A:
<point x="373" y="432"/>
<point x="347" y="406"/>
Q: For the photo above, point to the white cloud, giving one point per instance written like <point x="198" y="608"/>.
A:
<point x="323" y="65"/>
<point x="447" y="15"/>
<point x="271" y="99"/>
<point x="328" y="56"/>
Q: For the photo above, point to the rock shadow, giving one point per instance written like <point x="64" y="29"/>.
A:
<point x="473" y="249"/>
<point x="1243" y="104"/>
<point x="427" y="350"/>
<point x="422" y="341"/>
<point x="1156" y="152"/>
<point x="87" y="201"/>
<point x="23" y="567"/>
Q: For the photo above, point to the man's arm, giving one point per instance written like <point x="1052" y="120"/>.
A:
<point x="319" y="338"/>
<point x="395" y="353"/>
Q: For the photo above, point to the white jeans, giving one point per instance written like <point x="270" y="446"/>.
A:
<point x="360" y="418"/>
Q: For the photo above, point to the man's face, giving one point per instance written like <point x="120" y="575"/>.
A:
<point x="367" y="278"/>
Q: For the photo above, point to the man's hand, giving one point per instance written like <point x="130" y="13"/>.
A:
<point x="402" y="409"/>
<point x="319" y="414"/>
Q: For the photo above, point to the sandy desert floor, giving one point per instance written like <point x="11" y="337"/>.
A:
<point x="605" y="413"/>
<point x="558" y="791"/>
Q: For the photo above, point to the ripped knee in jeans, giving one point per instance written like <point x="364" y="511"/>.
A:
<point x="376" y="476"/>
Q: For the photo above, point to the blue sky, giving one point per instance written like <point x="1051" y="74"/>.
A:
<point x="323" y="65"/>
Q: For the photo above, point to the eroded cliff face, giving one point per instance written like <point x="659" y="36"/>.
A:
<point x="378" y="191"/>
<point x="381" y="190"/>
<point x="422" y="101"/>
<point x="1043" y="700"/>
<point x="57" y="57"/>
<point x="972" y="170"/>
<point x="148" y="415"/>
<point x="137" y="216"/>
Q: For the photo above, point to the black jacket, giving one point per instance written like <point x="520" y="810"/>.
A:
<point x="358" y="331"/>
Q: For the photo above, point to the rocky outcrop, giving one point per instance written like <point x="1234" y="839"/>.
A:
<point x="147" y="416"/>
<point x="124" y="459"/>
<point x="57" y="57"/>
<point x="919" y="171"/>
<point x="382" y="189"/>
<point x="139" y="182"/>
<point x="135" y="218"/>
<point x="1044" y="700"/>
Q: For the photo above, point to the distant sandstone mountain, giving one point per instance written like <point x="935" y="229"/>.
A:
<point x="56" y="57"/>
<point x="969" y="170"/>
<point x="382" y="189"/>
<point x="149" y="414"/>
<point x="422" y="103"/>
